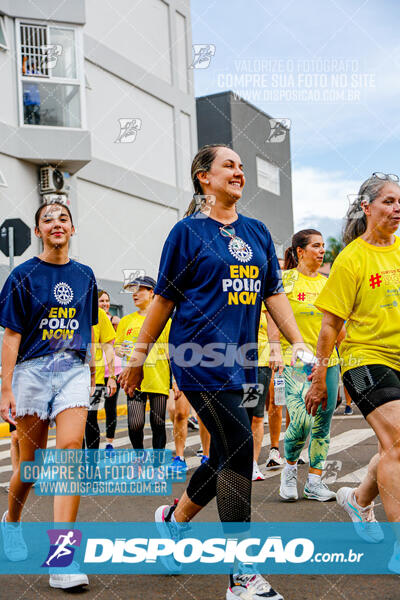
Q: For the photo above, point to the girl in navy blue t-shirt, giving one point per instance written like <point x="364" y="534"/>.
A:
<point x="47" y="307"/>
<point x="217" y="267"/>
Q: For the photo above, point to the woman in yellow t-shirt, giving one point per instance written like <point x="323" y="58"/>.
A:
<point x="364" y="290"/>
<point x="156" y="381"/>
<point x="103" y="337"/>
<point x="303" y="284"/>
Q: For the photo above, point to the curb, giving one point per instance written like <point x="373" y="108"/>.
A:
<point x="101" y="415"/>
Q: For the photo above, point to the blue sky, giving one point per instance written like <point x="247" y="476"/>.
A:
<point x="344" y="57"/>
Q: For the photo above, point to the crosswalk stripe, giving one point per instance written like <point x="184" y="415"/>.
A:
<point x="346" y="417"/>
<point x="343" y="441"/>
<point x="354" y="477"/>
<point x="194" y="461"/>
<point x="339" y="443"/>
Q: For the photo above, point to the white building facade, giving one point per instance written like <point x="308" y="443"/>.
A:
<point x="102" y="92"/>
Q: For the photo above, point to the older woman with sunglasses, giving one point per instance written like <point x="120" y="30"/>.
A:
<point x="363" y="289"/>
<point x="217" y="267"/>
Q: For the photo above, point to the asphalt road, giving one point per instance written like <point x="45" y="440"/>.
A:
<point x="352" y="445"/>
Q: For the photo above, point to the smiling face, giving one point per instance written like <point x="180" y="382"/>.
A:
<point x="225" y="179"/>
<point x="104" y="302"/>
<point x="55" y="227"/>
<point x="383" y="214"/>
<point x="313" y="253"/>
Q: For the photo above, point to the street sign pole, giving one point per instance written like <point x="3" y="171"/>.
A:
<point x="11" y="247"/>
<point x="15" y="238"/>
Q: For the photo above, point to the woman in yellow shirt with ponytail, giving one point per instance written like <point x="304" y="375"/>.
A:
<point x="303" y="284"/>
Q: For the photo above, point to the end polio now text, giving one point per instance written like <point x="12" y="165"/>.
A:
<point x="243" y="285"/>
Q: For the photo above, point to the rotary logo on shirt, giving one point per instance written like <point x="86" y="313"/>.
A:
<point x="63" y="293"/>
<point x="240" y="250"/>
<point x="60" y="322"/>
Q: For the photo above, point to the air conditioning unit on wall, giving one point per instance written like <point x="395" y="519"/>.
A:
<point x="52" y="181"/>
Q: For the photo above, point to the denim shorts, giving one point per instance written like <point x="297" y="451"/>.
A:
<point x="47" y="385"/>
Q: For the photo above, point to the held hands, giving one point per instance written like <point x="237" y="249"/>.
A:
<point x="132" y="376"/>
<point x="177" y="391"/>
<point x="112" y="386"/>
<point x="7" y="405"/>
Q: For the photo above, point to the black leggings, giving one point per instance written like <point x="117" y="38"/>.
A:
<point x="92" y="429"/>
<point x="110" y="406"/>
<point x="137" y="414"/>
<point x="227" y="474"/>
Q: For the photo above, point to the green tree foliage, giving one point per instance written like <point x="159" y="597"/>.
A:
<point x="333" y="247"/>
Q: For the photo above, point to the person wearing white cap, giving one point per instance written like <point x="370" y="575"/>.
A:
<point x="156" y="382"/>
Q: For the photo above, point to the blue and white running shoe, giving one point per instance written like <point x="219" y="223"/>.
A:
<point x="365" y="523"/>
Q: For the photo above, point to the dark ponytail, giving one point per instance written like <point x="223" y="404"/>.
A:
<point x="290" y="260"/>
<point x="299" y="239"/>
<point x="201" y="162"/>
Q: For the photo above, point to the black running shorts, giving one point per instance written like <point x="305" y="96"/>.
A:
<point x="371" y="386"/>
<point x="264" y="377"/>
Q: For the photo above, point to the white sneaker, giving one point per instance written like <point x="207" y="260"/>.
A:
<point x="14" y="545"/>
<point x="394" y="562"/>
<point x="365" y="523"/>
<point x="257" y="475"/>
<point x="318" y="491"/>
<point x="250" y="587"/>
<point x="66" y="581"/>
<point x="288" y="488"/>
<point x="275" y="461"/>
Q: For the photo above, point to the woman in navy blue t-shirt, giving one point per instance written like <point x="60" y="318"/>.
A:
<point x="217" y="267"/>
<point x="47" y="307"/>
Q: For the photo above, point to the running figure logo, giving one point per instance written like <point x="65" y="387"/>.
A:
<point x="375" y="280"/>
<point x="50" y="54"/>
<point x="289" y="279"/>
<point x="128" y="129"/>
<point x="278" y="130"/>
<point x="62" y="547"/>
<point x="331" y="471"/>
<point x="129" y="275"/>
<point x="63" y="293"/>
<point x="251" y="394"/>
<point x="202" y="55"/>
